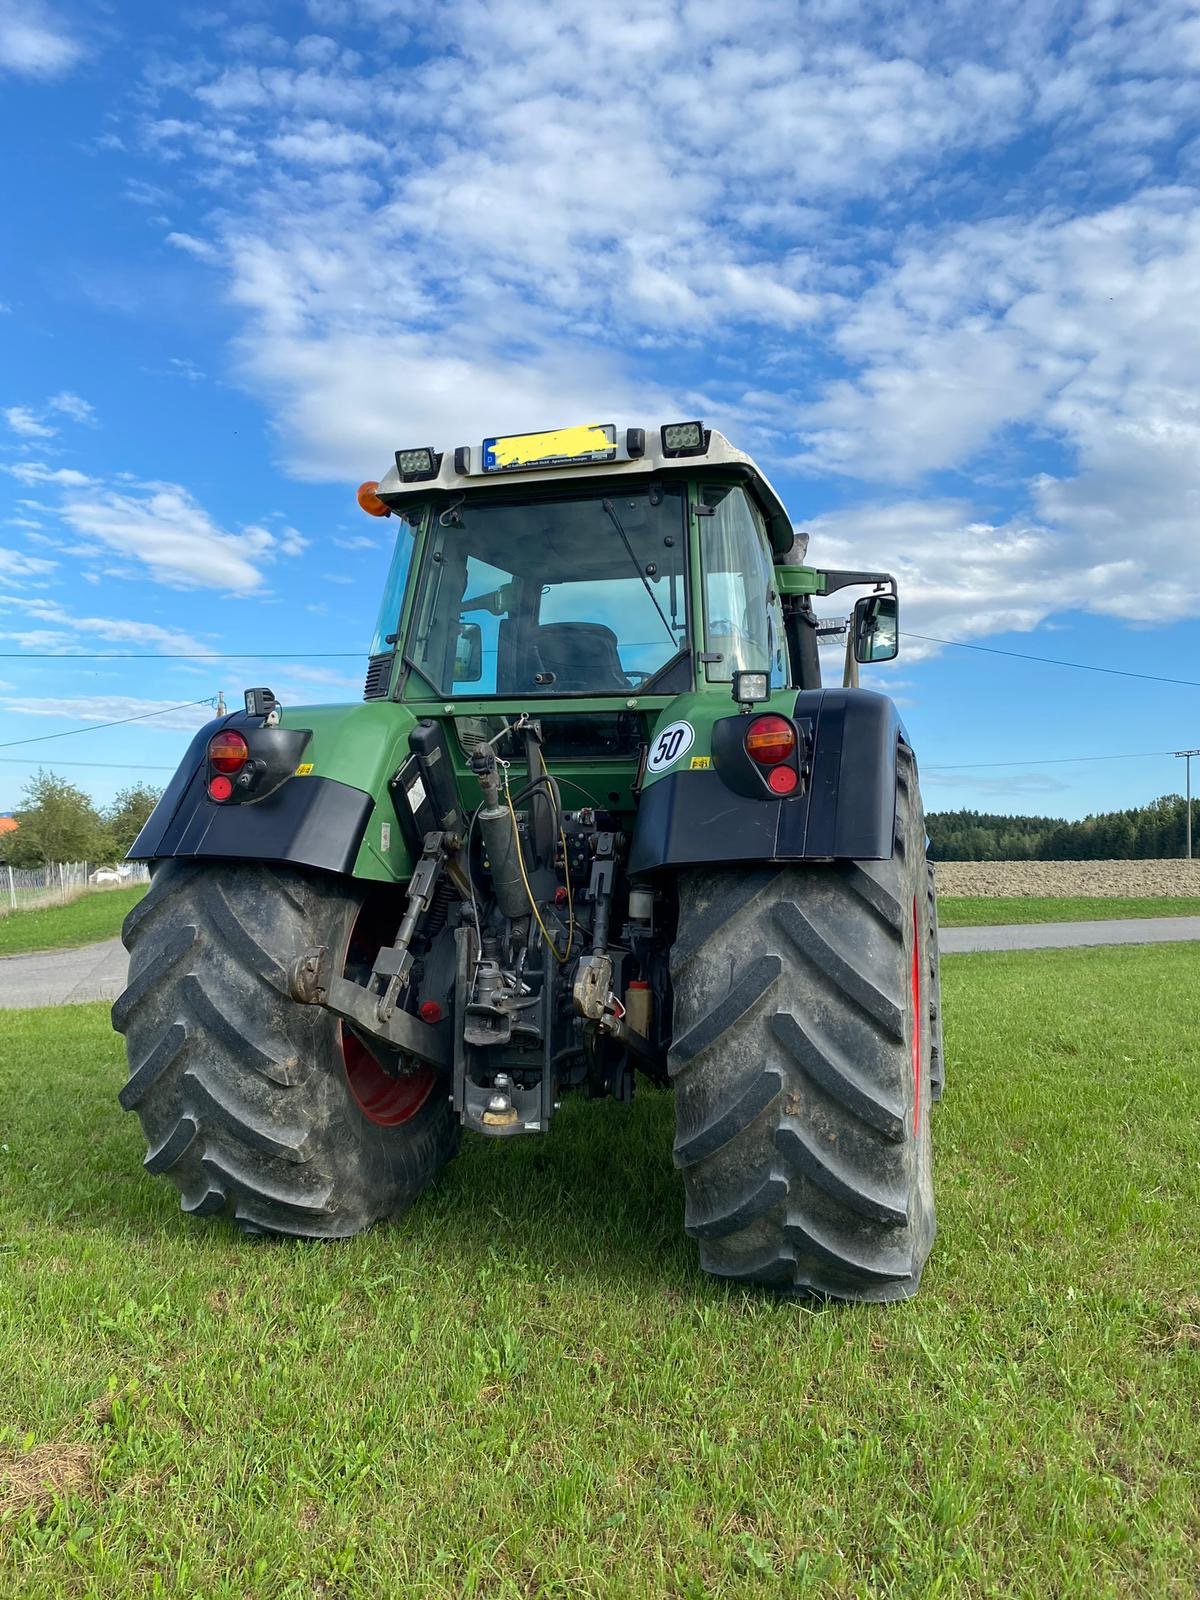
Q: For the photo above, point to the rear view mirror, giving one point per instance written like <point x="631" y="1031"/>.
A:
<point x="468" y="653"/>
<point x="876" y="628"/>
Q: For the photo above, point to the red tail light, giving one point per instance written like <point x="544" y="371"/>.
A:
<point x="228" y="751"/>
<point x="770" y="740"/>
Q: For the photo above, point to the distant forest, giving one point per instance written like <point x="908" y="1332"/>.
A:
<point x="1154" y="831"/>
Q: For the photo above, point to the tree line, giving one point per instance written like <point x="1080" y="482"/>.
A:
<point x="1150" y="832"/>
<point x="56" y="821"/>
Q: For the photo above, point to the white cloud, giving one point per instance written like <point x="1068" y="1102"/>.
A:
<point x="23" y="421"/>
<point x="200" y="248"/>
<point x="33" y="42"/>
<point x="164" y="528"/>
<point x="347" y="400"/>
<point x="508" y="232"/>
<point x="67" y="631"/>
<point x="73" y="406"/>
<point x="15" y="565"/>
<point x="321" y="144"/>
<point x="30" y="472"/>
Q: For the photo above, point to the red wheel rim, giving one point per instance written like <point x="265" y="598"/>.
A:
<point x="382" y="1098"/>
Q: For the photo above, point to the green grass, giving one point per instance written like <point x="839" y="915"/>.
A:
<point x="967" y="911"/>
<point x="95" y="915"/>
<point x="527" y="1388"/>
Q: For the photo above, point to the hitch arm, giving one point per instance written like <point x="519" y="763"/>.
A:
<point x="311" y="980"/>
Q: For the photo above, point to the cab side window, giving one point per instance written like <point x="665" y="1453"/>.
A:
<point x="743" y="615"/>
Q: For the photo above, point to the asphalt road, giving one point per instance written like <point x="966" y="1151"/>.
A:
<point x="63" y="977"/>
<point x="1069" y="935"/>
<point x="97" y="971"/>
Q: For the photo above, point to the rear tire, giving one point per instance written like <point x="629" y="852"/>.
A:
<point x="801" y="1067"/>
<point x="937" y="1059"/>
<point x="244" y="1094"/>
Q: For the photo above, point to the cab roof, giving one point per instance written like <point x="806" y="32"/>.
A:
<point x="459" y="472"/>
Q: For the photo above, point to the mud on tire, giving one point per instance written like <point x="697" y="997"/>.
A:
<point x="242" y="1093"/>
<point x="801" y="1066"/>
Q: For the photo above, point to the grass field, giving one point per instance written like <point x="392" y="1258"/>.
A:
<point x="95" y="915"/>
<point x="968" y="911"/>
<point x="528" y="1389"/>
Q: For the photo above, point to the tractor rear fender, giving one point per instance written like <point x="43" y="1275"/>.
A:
<point x="717" y="810"/>
<point x="322" y="799"/>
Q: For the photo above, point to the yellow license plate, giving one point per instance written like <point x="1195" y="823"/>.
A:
<point x="561" y="447"/>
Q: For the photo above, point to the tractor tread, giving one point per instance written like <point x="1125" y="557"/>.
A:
<point x="161" y="1058"/>
<point x="173" y="1148"/>
<point x="252" y="1182"/>
<point x="802" y="1136"/>
<point x="759" y="1091"/>
<point x="841" y="1184"/>
<point x="719" y="1224"/>
<point x="228" y="1112"/>
<point x="823" y="1063"/>
<point x="241" y="1091"/>
<point x="156" y="969"/>
<point x="218" y="1024"/>
<point x="841" y="972"/>
<point x="746" y="992"/>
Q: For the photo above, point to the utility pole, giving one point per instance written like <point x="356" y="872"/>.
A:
<point x="220" y="702"/>
<point x="1187" y="763"/>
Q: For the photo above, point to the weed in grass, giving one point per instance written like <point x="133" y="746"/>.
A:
<point x="526" y="1388"/>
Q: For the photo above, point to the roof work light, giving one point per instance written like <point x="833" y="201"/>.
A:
<point x="683" y="439"/>
<point x="415" y="465"/>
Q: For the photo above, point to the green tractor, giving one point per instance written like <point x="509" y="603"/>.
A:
<point x="595" y="816"/>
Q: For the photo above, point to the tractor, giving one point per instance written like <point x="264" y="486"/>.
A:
<point x="595" y="817"/>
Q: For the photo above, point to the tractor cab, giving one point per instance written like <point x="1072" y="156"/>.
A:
<point x="577" y="564"/>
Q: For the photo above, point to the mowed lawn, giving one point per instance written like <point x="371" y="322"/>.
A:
<point x="527" y="1388"/>
<point x="971" y="911"/>
<point x="96" y="915"/>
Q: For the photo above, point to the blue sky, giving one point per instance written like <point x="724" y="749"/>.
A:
<point x="936" y="266"/>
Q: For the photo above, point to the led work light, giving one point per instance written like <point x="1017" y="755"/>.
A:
<point x="683" y="439"/>
<point x="413" y="465"/>
<point x="749" y="687"/>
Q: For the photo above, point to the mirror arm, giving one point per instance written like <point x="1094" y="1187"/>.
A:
<point x="836" y="579"/>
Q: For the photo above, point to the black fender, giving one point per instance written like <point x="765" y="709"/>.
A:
<point x="845" y="807"/>
<point x="303" y="822"/>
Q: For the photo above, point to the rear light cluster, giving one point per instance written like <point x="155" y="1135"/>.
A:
<point x="228" y="753"/>
<point x="771" y="744"/>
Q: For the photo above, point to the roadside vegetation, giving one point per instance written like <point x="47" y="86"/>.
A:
<point x="57" y="821"/>
<point x="526" y="1388"/>
<point x="968" y="911"/>
<point x="97" y="914"/>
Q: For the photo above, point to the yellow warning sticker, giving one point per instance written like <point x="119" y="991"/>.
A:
<point x="303" y="770"/>
<point x="701" y="763"/>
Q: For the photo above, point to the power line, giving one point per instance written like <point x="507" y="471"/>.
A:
<point x="216" y="655"/>
<point x="110" y="766"/>
<point x="1054" y="661"/>
<point x="1053" y="761"/>
<point x="94" y="727"/>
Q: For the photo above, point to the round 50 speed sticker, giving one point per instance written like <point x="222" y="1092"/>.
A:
<point x="673" y="741"/>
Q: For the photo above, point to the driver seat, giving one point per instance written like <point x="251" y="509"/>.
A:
<point x="582" y="656"/>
